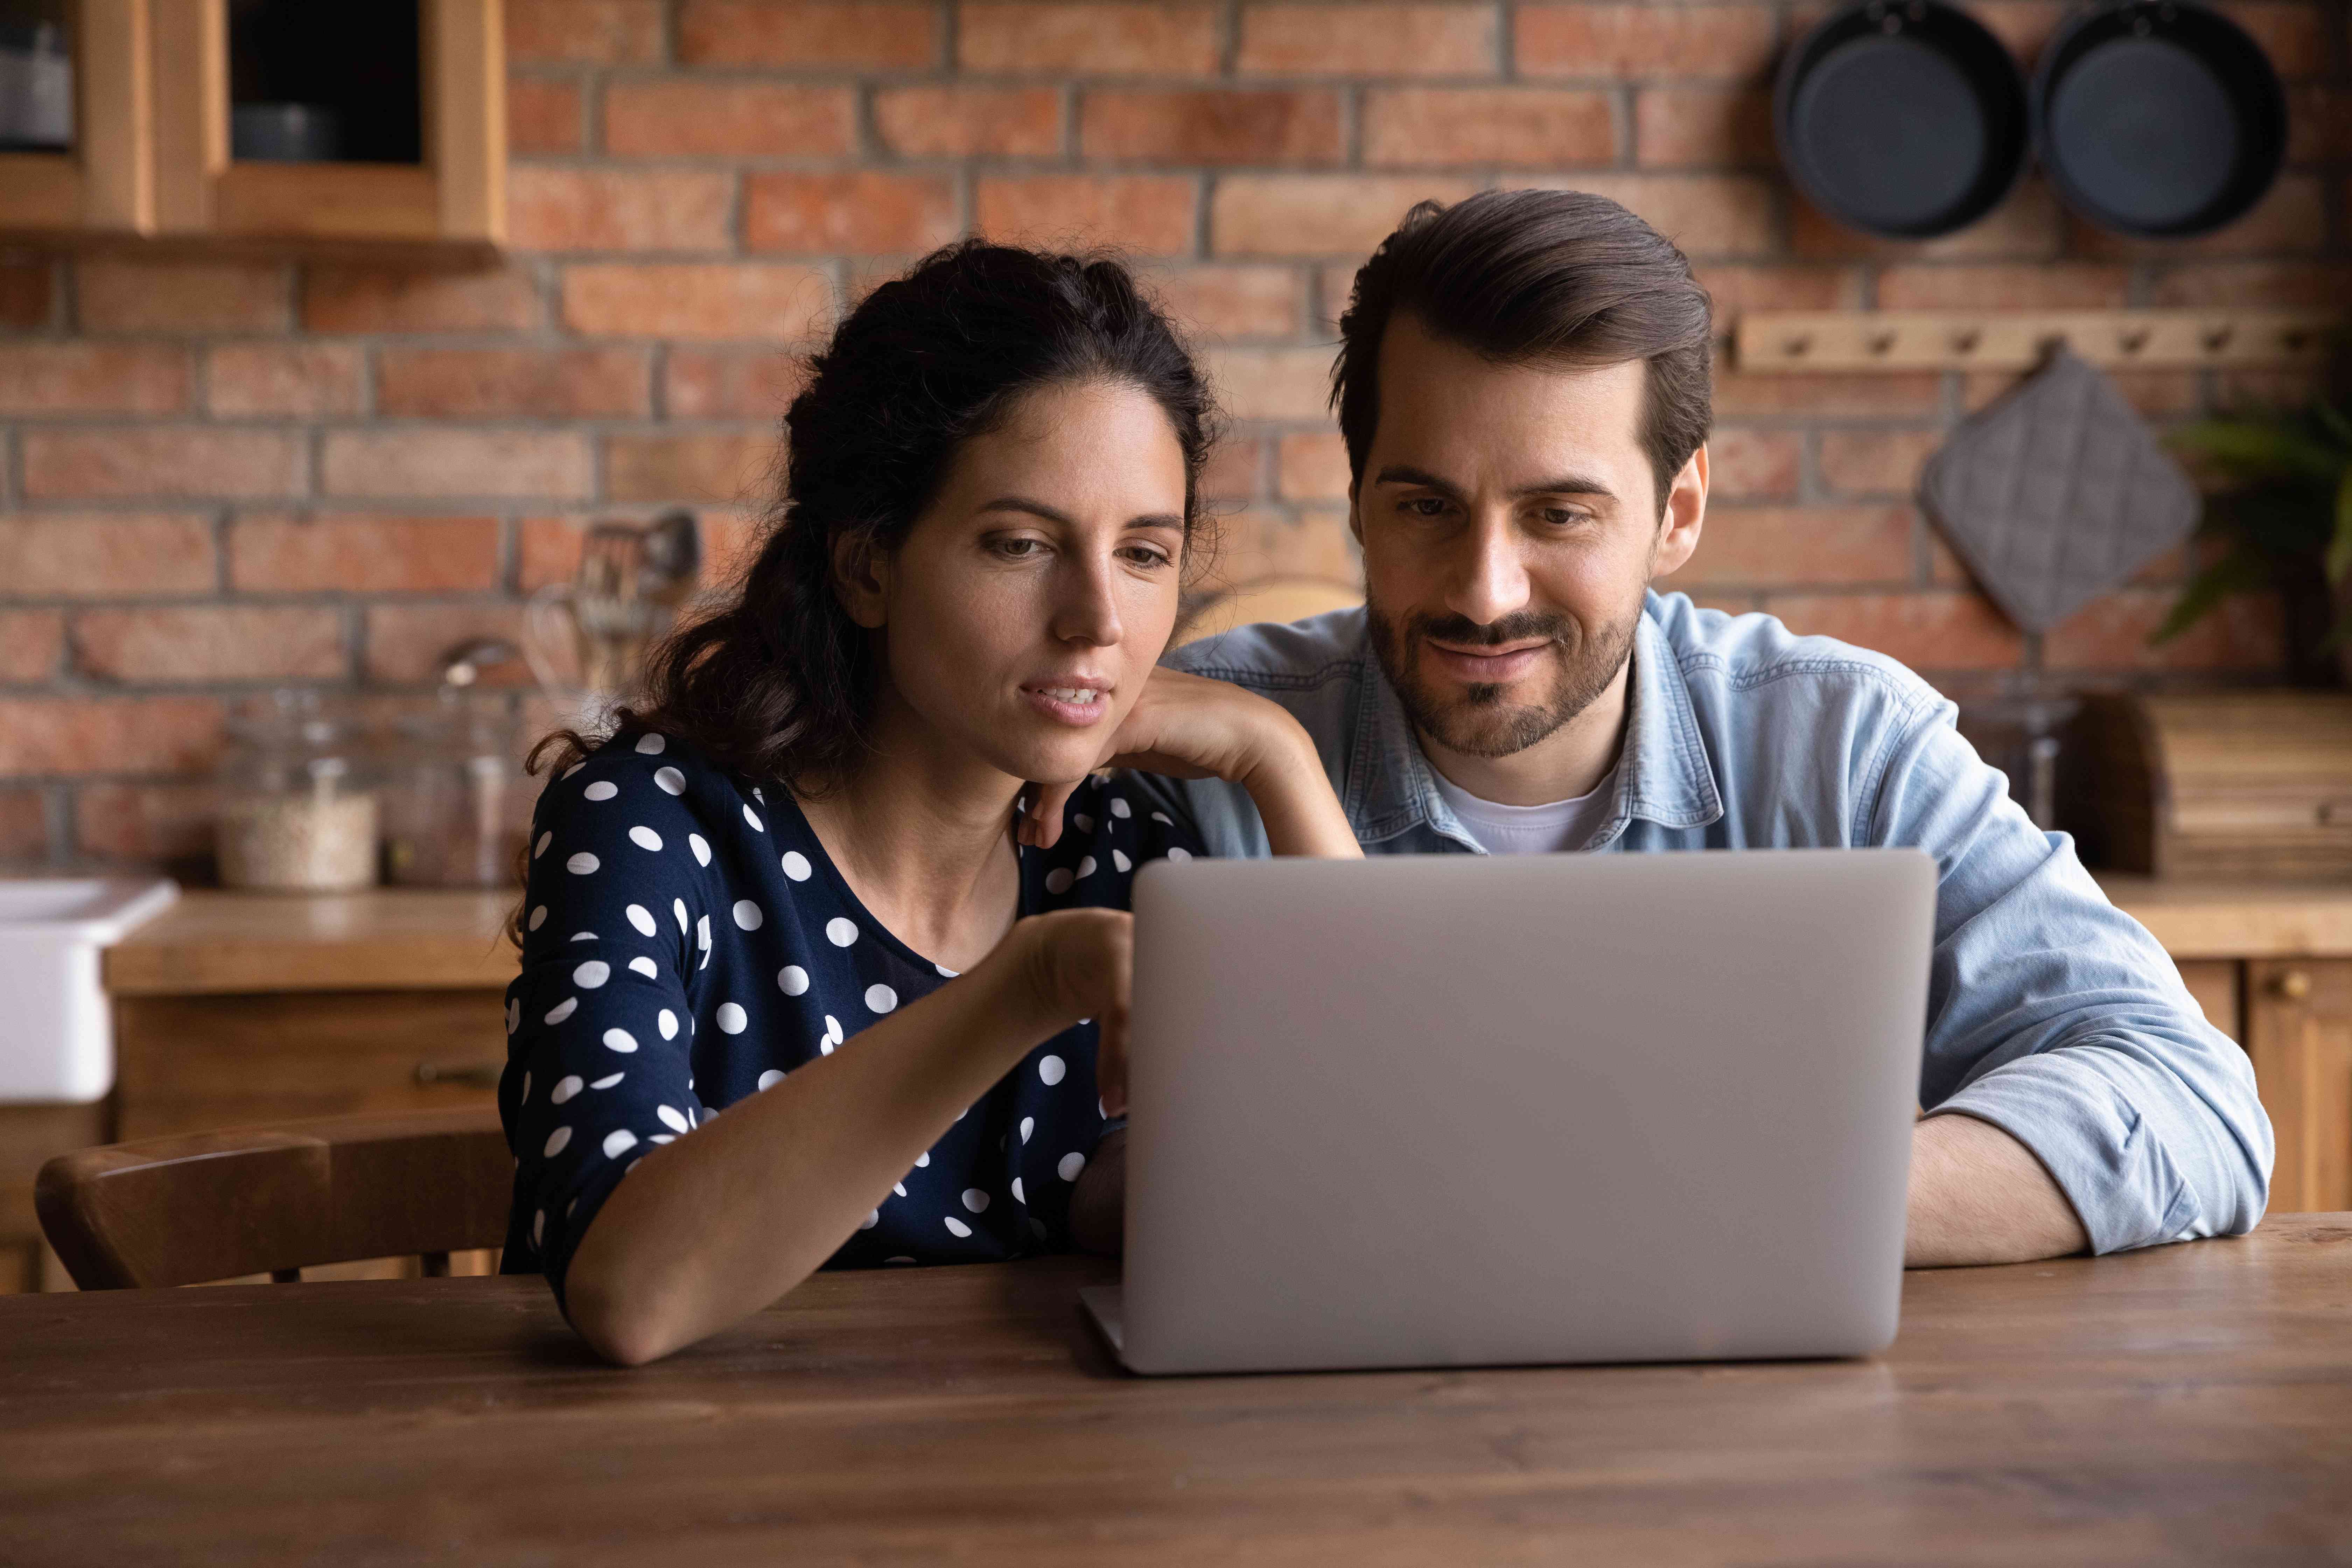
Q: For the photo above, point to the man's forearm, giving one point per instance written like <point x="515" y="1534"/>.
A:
<point x="1978" y="1195"/>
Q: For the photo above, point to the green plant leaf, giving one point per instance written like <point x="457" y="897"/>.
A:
<point x="2261" y="450"/>
<point x="2240" y="572"/>
<point x="2340" y="549"/>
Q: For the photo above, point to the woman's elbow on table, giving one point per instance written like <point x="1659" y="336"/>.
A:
<point x="626" y="1325"/>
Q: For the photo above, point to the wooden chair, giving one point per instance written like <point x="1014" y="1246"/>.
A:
<point x="214" y="1205"/>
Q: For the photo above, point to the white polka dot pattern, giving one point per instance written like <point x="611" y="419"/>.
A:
<point x="731" y="1018"/>
<point x="701" y="848"/>
<point x="792" y="980"/>
<point x="880" y="998"/>
<point x="796" y="866"/>
<point x="583" y="863"/>
<point x="603" y="789"/>
<point x="670" y="780"/>
<point x="1051" y="1070"/>
<point x="645" y="838"/>
<point x="642" y="917"/>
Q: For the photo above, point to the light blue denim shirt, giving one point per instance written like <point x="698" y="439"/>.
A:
<point x="2051" y="1014"/>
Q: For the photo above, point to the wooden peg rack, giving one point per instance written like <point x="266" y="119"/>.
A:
<point x="1784" y="342"/>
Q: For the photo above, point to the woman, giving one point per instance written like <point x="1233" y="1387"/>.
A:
<point x="754" y="896"/>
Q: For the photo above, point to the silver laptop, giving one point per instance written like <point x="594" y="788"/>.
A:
<point x="1445" y="1111"/>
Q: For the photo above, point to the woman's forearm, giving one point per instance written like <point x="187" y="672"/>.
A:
<point x="1295" y="800"/>
<point x="715" y="1226"/>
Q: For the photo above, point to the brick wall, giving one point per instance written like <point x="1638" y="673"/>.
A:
<point x="217" y="476"/>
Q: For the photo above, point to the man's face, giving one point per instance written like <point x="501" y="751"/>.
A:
<point x="1510" y="526"/>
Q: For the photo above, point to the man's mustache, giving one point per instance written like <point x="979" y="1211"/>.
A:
<point x="1517" y="627"/>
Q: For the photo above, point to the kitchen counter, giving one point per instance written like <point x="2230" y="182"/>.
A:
<point x="213" y="944"/>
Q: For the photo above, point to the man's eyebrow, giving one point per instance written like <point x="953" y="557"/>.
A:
<point x="1563" y="485"/>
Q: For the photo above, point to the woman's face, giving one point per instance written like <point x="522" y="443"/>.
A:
<point x="1025" y="608"/>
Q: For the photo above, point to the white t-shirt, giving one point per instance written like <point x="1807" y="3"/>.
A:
<point x="1544" y="829"/>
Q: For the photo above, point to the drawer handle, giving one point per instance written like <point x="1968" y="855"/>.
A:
<point x="464" y="1075"/>
<point x="2294" y="985"/>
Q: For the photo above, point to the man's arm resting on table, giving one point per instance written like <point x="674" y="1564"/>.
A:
<point x="1978" y="1195"/>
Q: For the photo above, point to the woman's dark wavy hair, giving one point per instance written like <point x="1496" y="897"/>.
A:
<point x="778" y="684"/>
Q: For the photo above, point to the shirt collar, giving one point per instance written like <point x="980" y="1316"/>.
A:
<point x="1663" y="775"/>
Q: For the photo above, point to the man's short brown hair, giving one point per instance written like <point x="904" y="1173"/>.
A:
<point x="1537" y="276"/>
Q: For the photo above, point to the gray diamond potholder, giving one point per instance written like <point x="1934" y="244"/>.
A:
<point x="2057" y="493"/>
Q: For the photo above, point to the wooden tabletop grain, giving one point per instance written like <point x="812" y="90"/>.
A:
<point x="2189" y="1403"/>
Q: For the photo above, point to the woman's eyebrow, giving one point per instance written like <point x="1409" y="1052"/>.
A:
<point x="1168" y="519"/>
<point x="1033" y="507"/>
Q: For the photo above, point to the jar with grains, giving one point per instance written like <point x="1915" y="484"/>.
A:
<point x="455" y="804"/>
<point x="298" y="806"/>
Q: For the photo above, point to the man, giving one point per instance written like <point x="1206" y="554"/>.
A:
<point x="1523" y="390"/>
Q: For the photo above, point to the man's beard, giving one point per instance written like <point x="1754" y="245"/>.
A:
<point x="1480" y="723"/>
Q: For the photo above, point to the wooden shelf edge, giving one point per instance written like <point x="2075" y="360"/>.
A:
<point x="2238" y="919"/>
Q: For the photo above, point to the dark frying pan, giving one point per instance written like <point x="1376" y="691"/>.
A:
<point x="1906" y="119"/>
<point x="2159" y="118"/>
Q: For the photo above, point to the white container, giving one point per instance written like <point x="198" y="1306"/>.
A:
<point x="57" y="1033"/>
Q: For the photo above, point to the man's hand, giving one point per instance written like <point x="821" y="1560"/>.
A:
<point x="1978" y="1195"/>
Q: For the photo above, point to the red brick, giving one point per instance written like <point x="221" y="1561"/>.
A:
<point x="2056" y="286"/>
<point x="1517" y="127"/>
<point x="26" y="295"/>
<point x="340" y="299"/>
<point x="446" y="462"/>
<point x="1706" y="215"/>
<point x="1600" y="41"/>
<point x="2263" y="388"/>
<point x="1883" y="395"/>
<point x="550" y="548"/>
<point x="692" y="300"/>
<point x="301" y="378"/>
<point x="32" y="643"/>
<point x="1697" y="127"/>
<point x="24" y="827"/>
<point x="1232" y="302"/>
<point x="2318" y="123"/>
<point x="211" y="642"/>
<point x="806" y="35"/>
<point x="722" y="383"/>
<point x="2155" y="393"/>
<point x="2292" y="218"/>
<point x="75" y="555"/>
<point x="1312" y="465"/>
<point x="1150" y="213"/>
<point x="405" y="641"/>
<point x="146" y="822"/>
<point x="358" y="554"/>
<point x="1928" y="631"/>
<point x="82" y="377"/>
<point x="1235" y="469"/>
<point x="503" y="382"/>
<point x="163" y="461"/>
<point x="542" y="116"/>
<point x="2025" y="26"/>
<point x="2238" y="283"/>
<point x="1077" y="36"/>
<point x="1317" y="215"/>
<point x="588" y="32"/>
<point x="1313" y="542"/>
<point x="1734" y="288"/>
<point x="1754" y="465"/>
<point x="2029" y="225"/>
<point x="1210" y="125"/>
<point x="1288" y="383"/>
<point x="1776" y="545"/>
<point x="2293" y="33"/>
<point x="864" y="212"/>
<point x="2111" y="633"/>
<point x="117" y="294"/>
<point x="683" y="117"/>
<point x="1370" y="40"/>
<point x="712" y="466"/>
<point x="618" y="209"/>
<point x="81" y="734"/>
<point x="969" y="122"/>
<point x="1877" y="462"/>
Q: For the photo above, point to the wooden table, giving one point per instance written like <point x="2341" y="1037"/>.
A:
<point x="2189" y="1403"/>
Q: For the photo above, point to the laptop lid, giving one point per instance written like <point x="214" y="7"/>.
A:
<point x="1462" y="1110"/>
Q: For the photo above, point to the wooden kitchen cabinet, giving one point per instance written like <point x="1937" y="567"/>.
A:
<point x="2298" y="1016"/>
<point x="156" y="82"/>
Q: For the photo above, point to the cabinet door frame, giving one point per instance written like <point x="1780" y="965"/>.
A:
<point x="2299" y="1034"/>
<point x="106" y="184"/>
<point x="456" y="193"/>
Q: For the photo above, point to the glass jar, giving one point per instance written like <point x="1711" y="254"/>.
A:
<point x="298" y="807"/>
<point x="454" y="808"/>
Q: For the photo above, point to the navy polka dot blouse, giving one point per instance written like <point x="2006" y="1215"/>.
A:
<point x="688" y="943"/>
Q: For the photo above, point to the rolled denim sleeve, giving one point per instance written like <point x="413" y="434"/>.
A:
<point x="2057" y="1018"/>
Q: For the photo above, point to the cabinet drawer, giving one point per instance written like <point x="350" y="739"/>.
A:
<point x="186" y="1064"/>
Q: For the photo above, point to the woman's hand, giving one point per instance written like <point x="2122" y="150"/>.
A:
<point x="1080" y="964"/>
<point x="1187" y="726"/>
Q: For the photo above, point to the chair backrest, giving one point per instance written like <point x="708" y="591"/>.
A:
<point x="213" y="1205"/>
